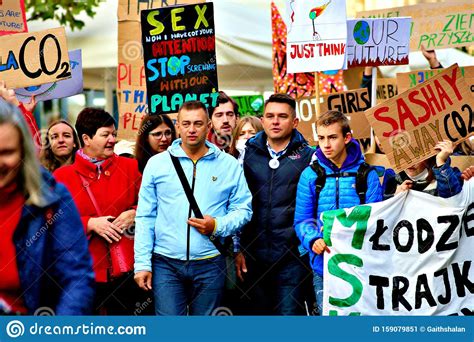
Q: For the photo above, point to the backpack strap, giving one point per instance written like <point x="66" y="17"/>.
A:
<point x="361" y="181"/>
<point x="319" y="183"/>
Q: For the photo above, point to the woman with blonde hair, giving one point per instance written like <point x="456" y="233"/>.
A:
<point x="43" y="249"/>
<point x="247" y="128"/>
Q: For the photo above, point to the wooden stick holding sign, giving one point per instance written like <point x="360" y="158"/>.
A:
<point x="30" y="59"/>
<point x="410" y="124"/>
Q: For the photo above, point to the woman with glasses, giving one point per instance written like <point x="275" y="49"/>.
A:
<point x="156" y="133"/>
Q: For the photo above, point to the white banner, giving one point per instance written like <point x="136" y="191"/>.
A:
<point x="317" y="37"/>
<point x="410" y="255"/>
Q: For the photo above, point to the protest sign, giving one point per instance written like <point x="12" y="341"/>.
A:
<point x="374" y="42"/>
<point x="462" y="162"/>
<point x="12" y="17"/>
<point x="29" y="59"/>
<point x="386" y="88"/>
<point x="180" y="57"/>
<point x="410" y="124"/>
<point x="331" y="81"/>
<point x="296" y="85"/>
<point x="56" y="90"/>
<point x="315" y="40"/>
<point x="352" y="103"/>
<point x="412" y="260"/>
<point x="407" y="80"/>
<point x="250" y="104"/>
<point x="131" y="84"/>
<point x="306" y="109"/>
<point x="130" y="9"/>
<point x="435" y="25"/>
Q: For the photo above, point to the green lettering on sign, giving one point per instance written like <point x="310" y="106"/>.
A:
<point x="335" y="270"/>
<point x="359" y="216"/>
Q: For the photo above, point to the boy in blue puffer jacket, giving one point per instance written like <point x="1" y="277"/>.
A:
<point x="340" y="157"/>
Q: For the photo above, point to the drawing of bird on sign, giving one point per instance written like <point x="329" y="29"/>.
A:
<point x="315" y="13"/>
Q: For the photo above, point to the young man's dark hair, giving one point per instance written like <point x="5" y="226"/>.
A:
<point x="283" y="98"/>
<point x="224" y="98"/>
<point x="90" y="120"/>
<point x="333" y="116"/>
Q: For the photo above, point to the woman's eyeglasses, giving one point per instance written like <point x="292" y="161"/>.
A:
<point x="159" y="135"/>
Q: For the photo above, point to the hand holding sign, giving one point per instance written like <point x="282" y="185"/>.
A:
<point x="8" y="94"/>
<point x="445" y="150"/>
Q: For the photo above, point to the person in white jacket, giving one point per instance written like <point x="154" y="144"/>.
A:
<point x="174" y="254"/>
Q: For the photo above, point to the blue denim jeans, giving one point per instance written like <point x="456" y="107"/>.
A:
<point x="318" y="291"/>
<point x="187" y="287"/>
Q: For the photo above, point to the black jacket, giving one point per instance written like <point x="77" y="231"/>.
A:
<point x="270" y="235"/>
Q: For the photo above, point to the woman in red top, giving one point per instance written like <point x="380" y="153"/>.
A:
<point x="44" y="261"/>
<point x="105" y="189"/>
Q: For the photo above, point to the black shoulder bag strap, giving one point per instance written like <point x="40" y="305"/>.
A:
<point x="319" y="184"/>
<point x="192" y="201"/>
<point x="362" y="181"/>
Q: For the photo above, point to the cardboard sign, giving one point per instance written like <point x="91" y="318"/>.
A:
<point x="315" y="40"/>
<point x="306" y="113"/>
<point x="180" y="57"/>
<point x="374" y="42"/>
<point x="130" y="9"/>
<point x="377" y="159"/>
<point x="462" y="162"/>
<point x="250" y="105"/>
<point x="386" y="88"/>
<point x="407" y="80"/>
<point x="12" y="17"/>
<point x="435" y="25"/>
<point x="296" y="85"/>
<point x="352" y="103"/>
<point x="410" y="124"/>
<point x="409" y="255"/>
<point x="56" y="90"/>
<point x="129" y="120"/>
<point x="30" y="59"/>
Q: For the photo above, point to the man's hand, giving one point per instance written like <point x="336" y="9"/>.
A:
<point x="205" y="226"/>
<point x="240" y="265"/>
<point x="103" y="227"/>
<point x="125" y="220"/>
<point x="319" y="246"/>
<point x="468" y="173"/>
<point x="406" y="185"/>
<point x="143" y="280"/>
<point x="445" y="150"/>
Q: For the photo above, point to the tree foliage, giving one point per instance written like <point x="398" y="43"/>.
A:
<point x="64" y="11"/>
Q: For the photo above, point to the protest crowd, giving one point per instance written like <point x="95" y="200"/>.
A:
<point x="208" y="209"/>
